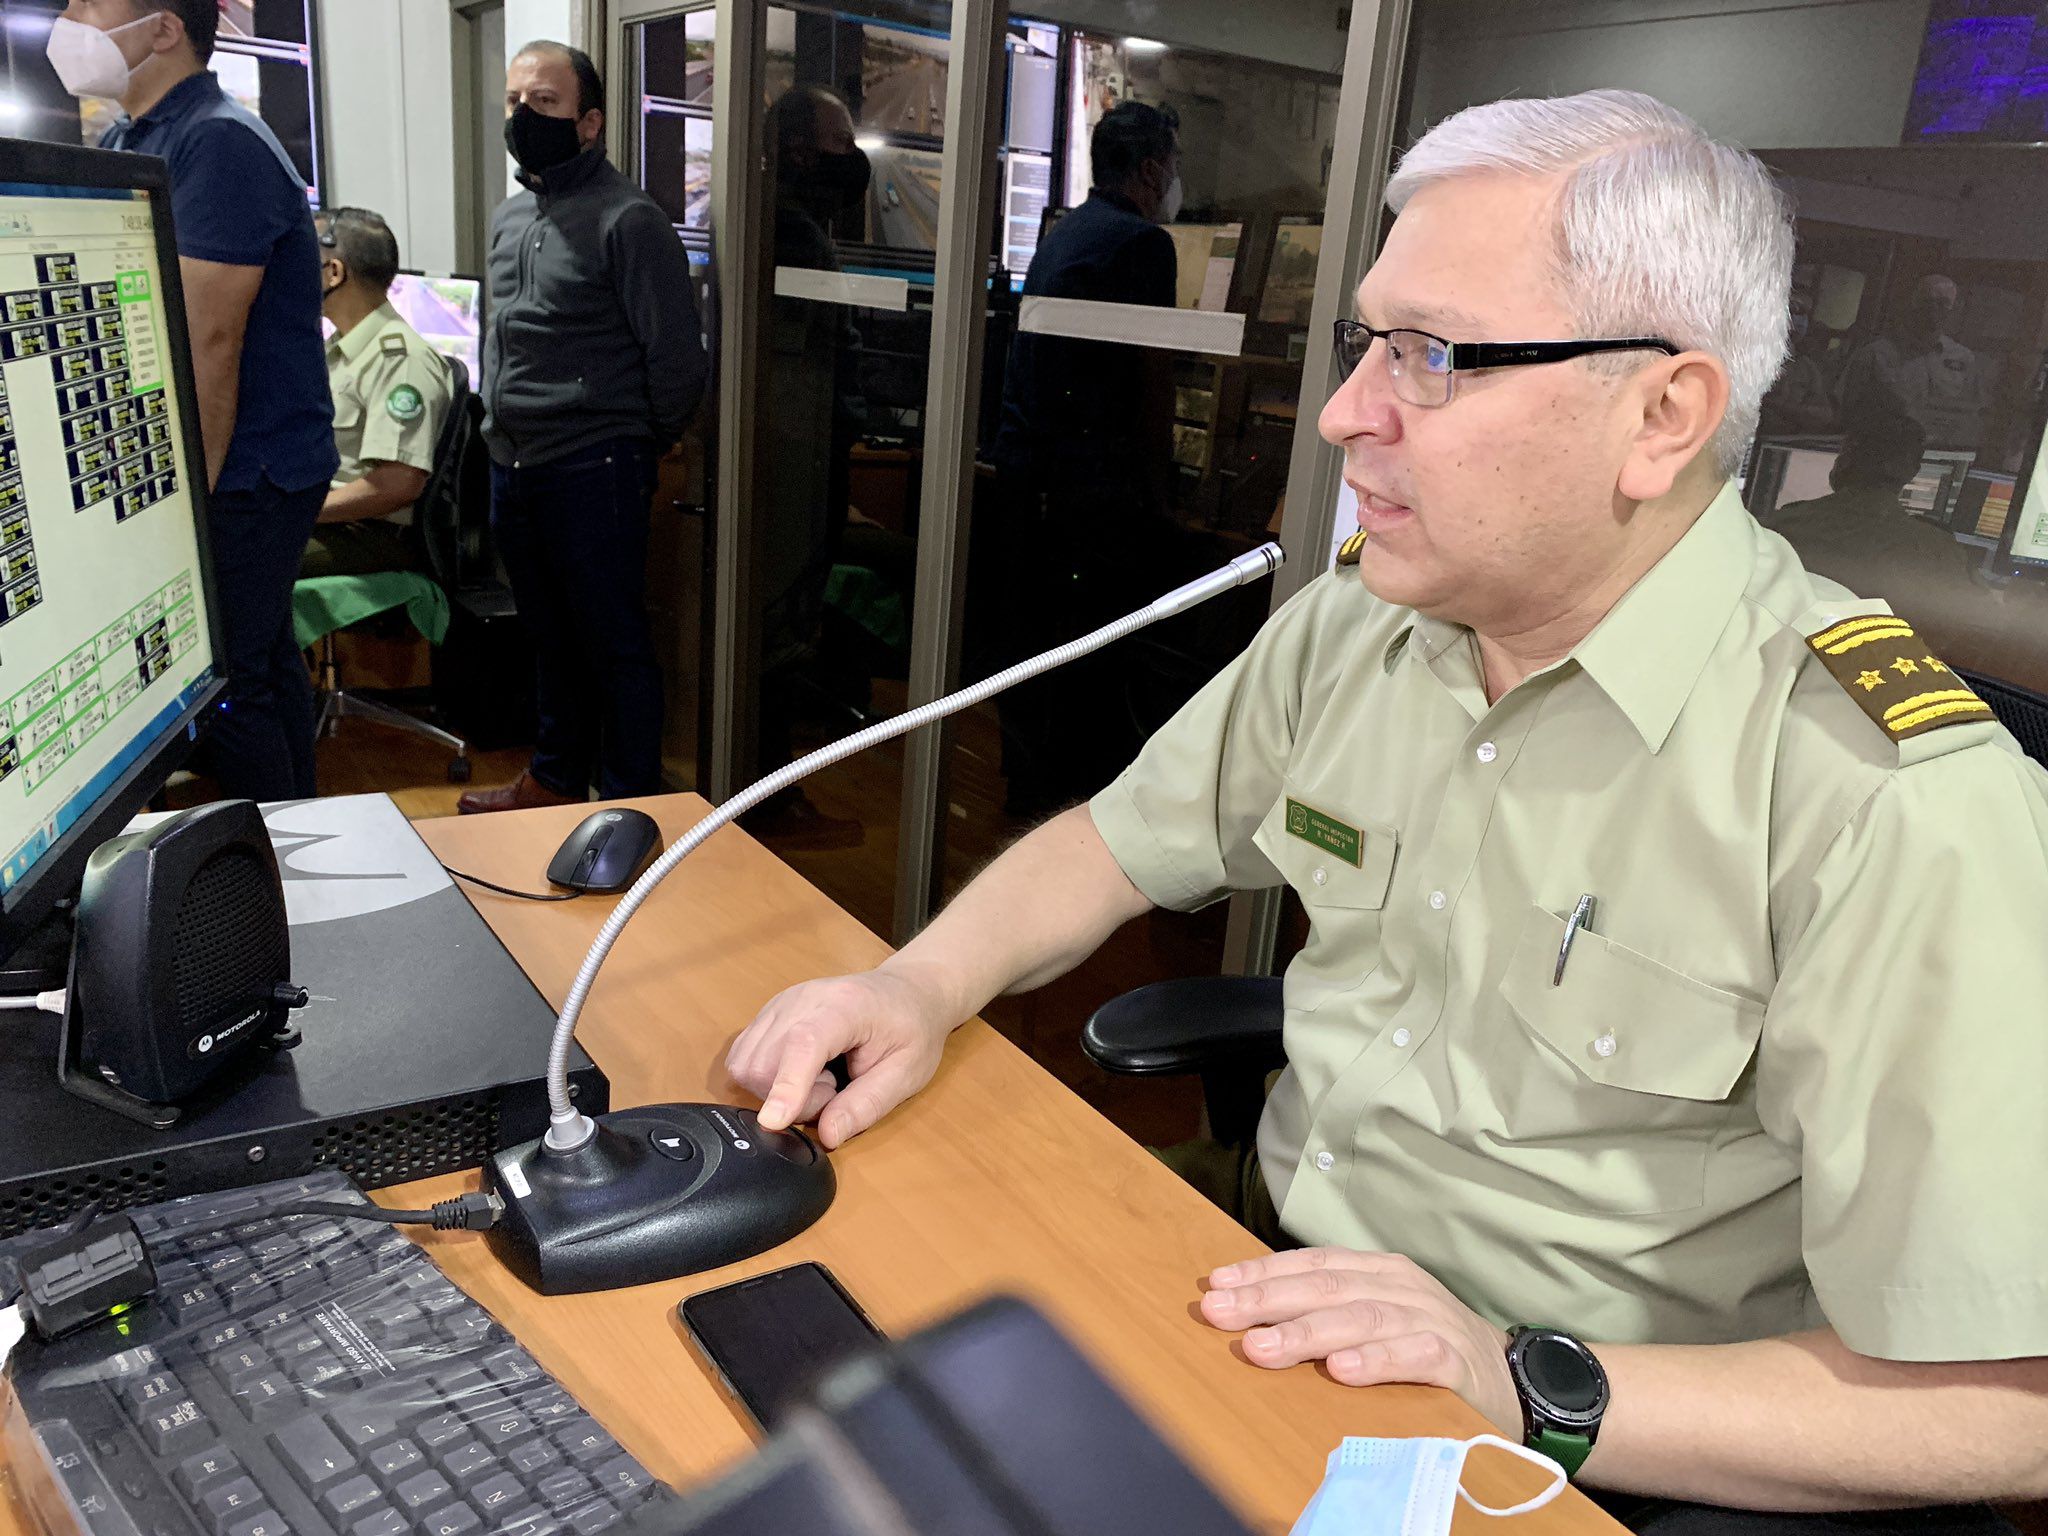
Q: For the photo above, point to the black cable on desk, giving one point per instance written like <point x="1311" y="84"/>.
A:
<point x="506" y="890"/>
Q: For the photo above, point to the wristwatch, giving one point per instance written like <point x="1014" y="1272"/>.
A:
<point x="1563" y="1392"/>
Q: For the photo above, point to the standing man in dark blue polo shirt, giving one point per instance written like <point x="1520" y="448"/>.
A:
<point x="251" y="268"/>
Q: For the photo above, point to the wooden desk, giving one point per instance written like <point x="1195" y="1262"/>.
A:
<point x="995" y="1178"/>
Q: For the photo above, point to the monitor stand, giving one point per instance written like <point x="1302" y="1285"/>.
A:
<point x="42" y="961"/>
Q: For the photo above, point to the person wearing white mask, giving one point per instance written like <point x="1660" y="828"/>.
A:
<point x="1084" y="460"/>
<point x="251" y="269"/>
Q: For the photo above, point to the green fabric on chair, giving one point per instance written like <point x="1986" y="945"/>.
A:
<point x="324" y="604"/>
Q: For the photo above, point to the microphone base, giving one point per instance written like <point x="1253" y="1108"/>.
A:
<point x="660" y="1191"/>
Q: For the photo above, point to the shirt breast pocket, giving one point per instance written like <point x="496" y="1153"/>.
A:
<point x="1342" y="884"/>
<point x="1610" y="1085"/>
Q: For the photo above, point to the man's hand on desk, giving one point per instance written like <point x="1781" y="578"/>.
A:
<point x="1372" y="1318"/>
<point x="890" y="1030"/>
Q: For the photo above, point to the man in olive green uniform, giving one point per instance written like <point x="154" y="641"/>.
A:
<point x="391" y="396"/>
<point x="1675" y="982"/>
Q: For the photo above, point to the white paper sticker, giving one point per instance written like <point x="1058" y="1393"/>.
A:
<point x="858" y="289"/>
<point x="1136" y="325"/>
<point x="513" y="1177"/>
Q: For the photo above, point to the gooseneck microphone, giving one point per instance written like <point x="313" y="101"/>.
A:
<point x="588" y="1207"/>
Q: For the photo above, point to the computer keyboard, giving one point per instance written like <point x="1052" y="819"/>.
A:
<point x="304" y="1376"/>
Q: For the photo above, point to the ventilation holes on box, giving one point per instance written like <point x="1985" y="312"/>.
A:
<point x="411" y="1143"/>
<point x="24" y="1207"/>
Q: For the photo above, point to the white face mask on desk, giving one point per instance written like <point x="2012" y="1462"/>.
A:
<point x="1406" y="1487"/>
<point x="88" y="61"/>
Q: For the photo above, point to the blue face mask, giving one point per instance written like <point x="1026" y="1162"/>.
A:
<point x="1406" y="1487"/>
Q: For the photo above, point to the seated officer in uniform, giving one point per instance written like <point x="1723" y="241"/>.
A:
<point x="1676" y="983"/>
<point x="391" y="395"/>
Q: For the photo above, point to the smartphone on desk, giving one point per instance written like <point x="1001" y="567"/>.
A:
<point x="770" y="1338"/>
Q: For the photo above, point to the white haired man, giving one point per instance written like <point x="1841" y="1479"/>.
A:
<point x="1674" y="950"/>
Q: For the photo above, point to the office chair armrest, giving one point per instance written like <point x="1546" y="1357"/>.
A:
<point x="1189" y="1025"/>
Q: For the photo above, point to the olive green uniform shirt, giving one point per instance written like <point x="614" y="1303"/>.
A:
<point x="391" y="396"/>
<point x="1794" y="1071"/>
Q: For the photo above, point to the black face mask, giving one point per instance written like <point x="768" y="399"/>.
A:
<point x="541" y="143"/>
<point x="834" y="181"/>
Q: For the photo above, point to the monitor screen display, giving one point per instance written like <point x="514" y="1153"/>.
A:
<point x="103" y="625"/>
<point x="1983" y="73"/>
<point x="448" y="314"/>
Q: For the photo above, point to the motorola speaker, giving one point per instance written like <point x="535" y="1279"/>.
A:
<point x="180" y="963"/>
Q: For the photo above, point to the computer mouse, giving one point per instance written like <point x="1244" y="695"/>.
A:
<point x="606" y="852"/>
<point x="660" y="1191"/>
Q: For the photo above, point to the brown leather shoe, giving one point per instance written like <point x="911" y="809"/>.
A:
<point x="524" y="793"/>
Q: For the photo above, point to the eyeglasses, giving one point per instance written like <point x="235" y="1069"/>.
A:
<point x="1424" y="367"/>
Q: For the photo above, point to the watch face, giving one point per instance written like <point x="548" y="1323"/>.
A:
<point x="1561" y="1375"/>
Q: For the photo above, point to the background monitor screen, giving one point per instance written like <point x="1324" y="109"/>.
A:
<point x="104" y="640"/>
<point x="448" y="314"/>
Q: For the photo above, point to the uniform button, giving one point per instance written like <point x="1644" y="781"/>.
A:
<point x="1488" y="752"/>
<point x="1321" y="876"/>
<point x="1325" y="1161"/>
<point x="1437" y="900"/>
<point x="1603" y="1045"/>
<point x="1402" y="1037"/>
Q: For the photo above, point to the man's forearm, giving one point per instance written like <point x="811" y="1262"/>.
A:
<point x="1804" y="1423"/>
<point x="1033" y="915"/>
<point x="217" y="376"/>
<point x="386" y="489"/>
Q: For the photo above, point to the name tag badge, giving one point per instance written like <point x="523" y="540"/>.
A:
<point x="1326" y="833"/>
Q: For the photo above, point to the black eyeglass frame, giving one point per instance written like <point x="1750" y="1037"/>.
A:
<point x="1468" y="356"/>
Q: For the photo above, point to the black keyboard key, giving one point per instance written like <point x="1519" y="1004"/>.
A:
<point x="498" y="1495"/>
<point x="592" y="1518"/>
<point x="551" y="1407"/>
<point x="176" y="1430"/>
<point x="466" y="1462"/>
<point x="621" y="1477"/>
<point x="351" y="1496"/>
<point x="468" y="1330"/>
<point x="533" y="1458"/>
<point x="563" y="1489"/>
<point x="193" y="1304"/>
<point x="498" y="1430"/>
<point x="530" y="1521"/>
<point x="321" y="1372"/>
<point x="232" y="1503"/>
<point x="385" y="1522"/>
<point x="142" y="1396"/>
<point x="292" y="1341"/>
<point x="274" y="1248"/>
<point x="440" y="1430"/>
<point x="263" y="1523"/>
<point x="202" y="1469"/>
<point x="212" y="1340"/>
<point x="511" y="1367"/>
<point x="313" y="1453"/>
<point x="238" y="1367"/>
<point x="365" y="1424"/>
<point x="395" y="1460"/>
<point x="278" y="1316"/>
<point x="267" y="1399"/>
<point x="429" y="1488"/>
<point x="223" y="1264"/>
<point x="586" y="1444"/>
<point x="455" y="1520"/>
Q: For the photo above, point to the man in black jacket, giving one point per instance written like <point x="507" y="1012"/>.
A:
<point x="593" y="363"/>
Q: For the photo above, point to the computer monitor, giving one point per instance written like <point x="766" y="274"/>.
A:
<point x="448" y="312"/>
<point x="1932" y="493"/>
<point x="107" y="610"/>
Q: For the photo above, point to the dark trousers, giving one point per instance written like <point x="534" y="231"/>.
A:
<point x="1229" y="1178"/>
<point x="573" y="535"/>
<point x="260" y="746"/>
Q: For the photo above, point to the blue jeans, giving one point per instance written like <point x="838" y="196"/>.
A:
<point x="573" y="535"/>
<point x="260" y="744"/>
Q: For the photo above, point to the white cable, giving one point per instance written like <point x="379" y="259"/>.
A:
<point x="49" y="1002"/>
<point x="567" y="1128"/>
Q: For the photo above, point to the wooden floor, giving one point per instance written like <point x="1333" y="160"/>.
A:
<point x="364" y="757"/>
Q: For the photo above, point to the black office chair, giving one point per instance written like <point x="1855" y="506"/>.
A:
<point x="2019" y="710"/>
<point x="447" y="537"/>
<point x="1228" y="1028"/>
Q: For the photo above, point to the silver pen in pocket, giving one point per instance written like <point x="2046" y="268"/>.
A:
<point x="1582" y="916"/>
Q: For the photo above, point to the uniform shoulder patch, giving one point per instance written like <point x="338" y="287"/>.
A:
<point x="1887" y="670"/>
<point x="1349" y="551"/>
<point x="405" y="404"/>
<point x="394" y="343"/>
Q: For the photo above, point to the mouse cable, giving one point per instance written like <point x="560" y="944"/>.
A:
<point x="506" y="890"/>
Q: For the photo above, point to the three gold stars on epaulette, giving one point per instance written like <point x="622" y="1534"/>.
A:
<point x="1905" y="666"/>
